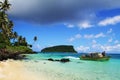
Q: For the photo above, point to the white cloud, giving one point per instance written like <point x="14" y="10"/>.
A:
<point x="77" y="36"/>
<point x="116" y="41"/>
<point x="108" y="48"/>
<point x="111" y="48"/>
<point x="110" y="21"/>
<point x="96" y="47"/>
<point x="99" y="35"/>
<point x="94" y="36"/>
<point x="110" y="31"/>
<point x="71" y="39"/>
<point x="88" y="36"/>
<point x="84" y="25"/>
<point x="70" y="25"/>
<point x="83" y="49"/>
<point x="94" y="41"/>
<point x="110" y="40"/>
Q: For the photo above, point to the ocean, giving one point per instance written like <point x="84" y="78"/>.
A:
<point x="37" y="67"/>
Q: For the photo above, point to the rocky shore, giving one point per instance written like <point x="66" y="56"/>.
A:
<point x="4" y="55"/>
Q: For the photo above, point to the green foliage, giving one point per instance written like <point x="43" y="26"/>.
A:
<point x="18" y="49"/>
<point x="61" y="48"/>
<point x="6" y="25"/>
<point x="7" y="36"/>
<point x="2" y="45"/>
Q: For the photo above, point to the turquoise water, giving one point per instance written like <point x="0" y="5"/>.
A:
<point x="76" y="69"/>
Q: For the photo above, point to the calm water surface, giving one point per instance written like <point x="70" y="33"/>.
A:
<point x="75" y="70"/>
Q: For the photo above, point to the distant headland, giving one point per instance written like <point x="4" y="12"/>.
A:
<point x="60" y="48"/>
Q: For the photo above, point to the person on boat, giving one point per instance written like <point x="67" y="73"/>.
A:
<point x="104" y="53"/>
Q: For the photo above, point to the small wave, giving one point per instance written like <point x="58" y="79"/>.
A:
<point x="71" y="57"/>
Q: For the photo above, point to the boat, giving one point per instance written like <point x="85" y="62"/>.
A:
<point x="95" y="57"/>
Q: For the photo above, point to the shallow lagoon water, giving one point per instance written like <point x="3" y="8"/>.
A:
<point x="36" y="67"/>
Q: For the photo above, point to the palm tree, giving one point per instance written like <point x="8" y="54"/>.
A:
<point x="6" y="26"/>
<point x="15" y="36"/>
<point x="5" y="5"/>
<point x="35" y="38"/>
<point x="24" y="43"/>
<point x="20" y="40"/>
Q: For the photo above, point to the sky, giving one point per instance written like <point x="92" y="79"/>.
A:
<point x="88" y="25"/>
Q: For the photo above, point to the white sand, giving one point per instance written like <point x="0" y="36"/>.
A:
<point x="15" y="70"/>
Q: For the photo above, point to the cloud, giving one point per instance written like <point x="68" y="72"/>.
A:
<point x="58" y="11"/>
<point x="110" y="21"/>
<point x="116" y="41"/>
<point x="83" y="49"/>
<point x="94" y="41"/>
<point x="110" y="40"/>
<point x="71" y="39"/>
<point x="109" y="31"/>
<point x="99" y="48"/>
<point x="77" y="36"/>
<point x="105" y="47"/>
<point x="111" y="48"/>
<point x="99" y="35"/>
<point x="84" y="25"/>
<point x="89" y="36"/>
<point x="81" y="25"/>
<point x="69" y="25"/>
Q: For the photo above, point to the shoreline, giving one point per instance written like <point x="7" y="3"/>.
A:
<point x="5" y="54"/>
<point x="37" y="68"/>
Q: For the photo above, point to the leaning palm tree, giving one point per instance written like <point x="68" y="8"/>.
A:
<point x="6" y="26"/>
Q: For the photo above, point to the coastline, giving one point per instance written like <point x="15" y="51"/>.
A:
<point x="37" y="68"/>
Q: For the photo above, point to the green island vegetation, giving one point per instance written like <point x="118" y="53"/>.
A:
<point x="60" y="48"/>
<point x="95" y="56"/>
<point x="11" y="44"/>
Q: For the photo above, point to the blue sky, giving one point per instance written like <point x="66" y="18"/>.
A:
<point x="87" y="25"/>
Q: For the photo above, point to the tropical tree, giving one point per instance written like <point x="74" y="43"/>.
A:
<point x="5" y="5"/>
<point x="35" y="38"/>
<point x="6" y="26"/>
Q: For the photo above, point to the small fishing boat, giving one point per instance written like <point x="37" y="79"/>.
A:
<point x="95" y="57"/>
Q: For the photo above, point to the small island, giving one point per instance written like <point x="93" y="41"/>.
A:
<point x="60" y="48"/>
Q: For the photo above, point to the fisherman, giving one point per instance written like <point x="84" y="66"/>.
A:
<point x="104" y="53"/>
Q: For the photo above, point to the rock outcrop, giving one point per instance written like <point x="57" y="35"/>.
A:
<point x="4" y="55"/>
<point x="63" y="60"/>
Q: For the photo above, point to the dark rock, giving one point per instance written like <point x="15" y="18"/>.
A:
<point x="64" y="60"/>
<point x="4" y="55"/>
<point x="50" y="59"/>
<point x="57" y="60"/>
